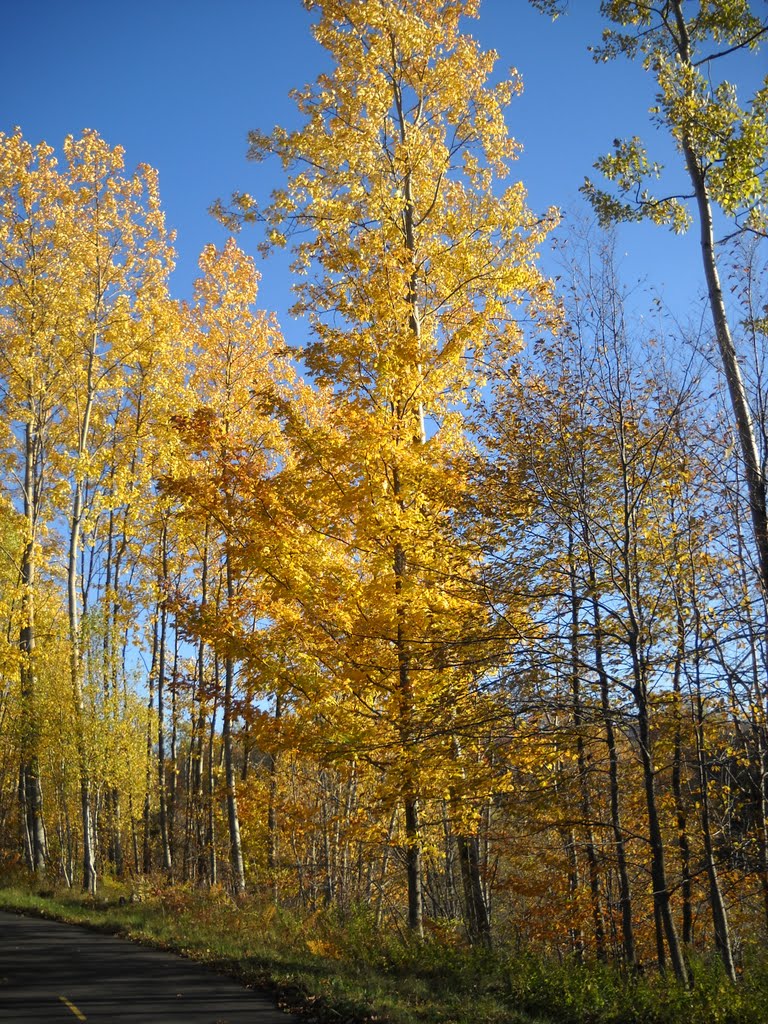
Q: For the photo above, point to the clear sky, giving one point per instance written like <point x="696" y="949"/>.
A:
<point x="178" y="83"/>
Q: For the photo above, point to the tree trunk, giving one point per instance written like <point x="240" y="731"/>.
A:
<point x="30" y="791"/>
<point x="756" y="484"/>
<point x="173" y="761"/>
<point x="413" y="867"/>
<point x="384" y="866"/>
<point x="235" y="845"/>
<point x="162" y="789"/>
<point x="478" y="921"/>
<point x="625" y="892"/>
<point x="582" y="759"/>
<point x="147" y="811"/>
<point x="210" y="839"/>
<point x="468" y="846"/>
<point x="196" y="824"/>
<point x="76" y="657"/>
<point x="273" y="834"/>
<point x="717" y="904"/>
<point x="412" y="836"/>
<point x="677" y="789"/>
<point x="661" y="894"/>
<point x="405" y="727"/>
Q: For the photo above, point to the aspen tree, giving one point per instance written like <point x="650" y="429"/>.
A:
<point x="229" y="444"/>
<point x="84" y="263"/>
<point x="597" y="438"/>
<point x="34" y="278"/>
<point x="119" y="259"/>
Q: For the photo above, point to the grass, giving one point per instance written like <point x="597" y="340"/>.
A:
<point x="346" y="971"/>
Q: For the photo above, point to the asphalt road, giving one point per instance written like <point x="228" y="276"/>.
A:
<point x="53" y="973"/>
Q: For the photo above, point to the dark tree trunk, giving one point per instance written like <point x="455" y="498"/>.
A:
<point x="619" y="842"/>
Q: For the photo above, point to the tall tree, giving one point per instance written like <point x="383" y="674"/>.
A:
<point x="120" y="259"/>
<point x="724" y="149"/>
<point x="414" y="262"/>
<point x="85" y="259"/>
<point x="34" y="285"/>
<point x="597" y="437"/>
<point x="231" y="443"/>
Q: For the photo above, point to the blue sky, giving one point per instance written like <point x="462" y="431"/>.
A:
<point x="178" y="83"/>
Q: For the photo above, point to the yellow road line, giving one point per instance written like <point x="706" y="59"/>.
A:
<point x="73" y="1008"/>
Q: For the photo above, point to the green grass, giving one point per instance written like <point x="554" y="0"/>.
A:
<point x="346" y="971"/>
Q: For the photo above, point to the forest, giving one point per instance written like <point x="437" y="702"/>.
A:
<point x="453" y="611"/>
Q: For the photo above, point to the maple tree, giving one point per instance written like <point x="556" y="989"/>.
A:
<point x="414" y="266"/>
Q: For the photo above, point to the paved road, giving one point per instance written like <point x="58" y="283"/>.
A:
<point x="53" y="973"/>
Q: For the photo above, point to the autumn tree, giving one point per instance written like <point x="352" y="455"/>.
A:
<point x="120" y="257"/>
<point x="33" y="230"/>
<point x="85" y="258"/>
<point x="612" y="474"/>
<point x="723" y="148"/>
<point x="230" y="444"/>
<point x="413" y="266"/>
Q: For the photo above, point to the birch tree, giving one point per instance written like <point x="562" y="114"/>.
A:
<point x="722" y="145"/>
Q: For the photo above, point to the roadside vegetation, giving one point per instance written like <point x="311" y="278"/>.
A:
<point x="346" y="971"/>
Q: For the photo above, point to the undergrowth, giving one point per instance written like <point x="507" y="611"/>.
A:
<point x="346" y="970"/>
